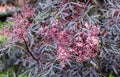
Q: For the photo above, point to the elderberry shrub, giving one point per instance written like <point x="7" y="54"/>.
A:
<point x="64" y="38"/>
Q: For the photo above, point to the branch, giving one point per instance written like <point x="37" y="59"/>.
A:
<point x="29" y="51"/>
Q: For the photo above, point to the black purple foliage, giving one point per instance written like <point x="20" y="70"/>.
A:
<point x="32" y="51"/>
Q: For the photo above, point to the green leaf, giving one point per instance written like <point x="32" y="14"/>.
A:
<point x="100" y="45"/>
<point x="111" y="75"/>
<point x="2" y="24"/>
<point x="3" y="39"/>
<point x="25" y="74"/>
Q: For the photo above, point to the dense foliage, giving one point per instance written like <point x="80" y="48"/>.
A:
<point x="63" y="38"/>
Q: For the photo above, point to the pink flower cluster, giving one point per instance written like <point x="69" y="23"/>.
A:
<point x="62" y="40"/>
<point x="83" y="46"/>
<point x="86" y="42"/>
<point x="21" y="22"/>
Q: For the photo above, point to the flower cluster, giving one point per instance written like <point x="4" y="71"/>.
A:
<point x="61" y="38"/>
<point x="21" y="22"/>
<point x="83" y="46"/>
<point x="86" y="42"/>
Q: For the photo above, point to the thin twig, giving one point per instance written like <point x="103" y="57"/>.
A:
<point x="29" y="51"/>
